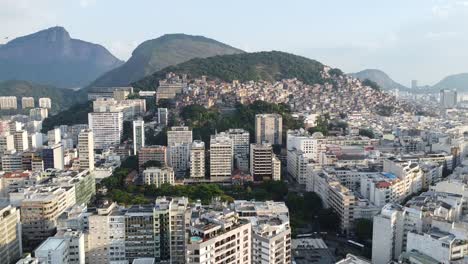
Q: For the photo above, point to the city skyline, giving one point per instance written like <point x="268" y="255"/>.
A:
<point x="421" y="40"/>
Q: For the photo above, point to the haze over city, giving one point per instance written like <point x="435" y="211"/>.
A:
<point x="221" y="132"/>
<point x="423" y="39"/>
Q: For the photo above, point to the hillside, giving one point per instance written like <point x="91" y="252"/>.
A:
<point x="379" y="77"/>
<point x="268" y="66"/>
<point x="456" y="81"/>
<point x="156" y="54"/>
<point x="61" y="98"/>
<point x="52" y="57"/>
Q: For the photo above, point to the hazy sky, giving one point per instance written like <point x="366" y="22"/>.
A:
<point x="409" y="39"/>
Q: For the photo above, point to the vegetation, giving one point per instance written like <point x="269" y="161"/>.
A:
<point x="385" y="110"/>
<point x="363" y="228"/>
<point x="365" y="132"/>
<point x="335" y="72"/>
<point x="77" y="114"/>
<point x="321" y="125"/>
<point x="267" y="66"/>
<point x="371" y="84"/>
<point x="206" y="121"/>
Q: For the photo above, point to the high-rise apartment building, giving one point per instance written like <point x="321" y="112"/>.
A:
<point x="21" y="141"/>
<point x="53" y="250"/>
<point x="179" y="140"/>
<point x="54" y="136"/>
<point x="86" y="149"/>
<point x="38" y="114"/>
<point x="45" y="102"/>
<point x="106" y="235"/>
<point x="53" y="157"/>
<point x="152" y="153"/>
<point x="261" y="161"/>
<point x="107" y="128"/>
<point x="269" y="128"/>
<point x="138" y="135"/>
<point x="241" y="142"/>
<point x="171" y="217"/>
<point x="448" y="98"/>
<point x="163" y="116"/>
<point x="197" y="159"/>
<point x="158" y="176"/>
<point x="139" y="232"/>
<point x="40" y="211"/>
<point x="7" y="143"/>
<point x="27" y="102"/>
<point x="219" y="237"/>
<point x="8" y="102"/>
<point x="270" y="229"/>
<point x="10" y="233"/>
<point x="221" y="157"/>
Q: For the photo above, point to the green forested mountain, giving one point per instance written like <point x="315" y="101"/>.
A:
<point x="268" y="66"/>
<point x="156" y="54"/>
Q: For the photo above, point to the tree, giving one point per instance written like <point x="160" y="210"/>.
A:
<point x="371" y="84"/>
<point x="366" y="133"/>
<point x="363" y="228"/>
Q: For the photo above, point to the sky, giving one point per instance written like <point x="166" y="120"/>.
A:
<point x="424" y="40"/>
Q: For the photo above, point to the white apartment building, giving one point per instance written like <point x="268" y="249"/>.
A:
<point x="441" y="246"/>
<point x="158" y="176"/>
<point x="218" y="237"/>
<point x="107" y="128"/>
<point x="45" y="102"/>
<point x="54" y="136"/>
<point x="197" y="159"/>
<point x="221" y="157"/>
<point x="269" y="128"/>
<point x="129" y="108"/>
<point x="179" y="140"/>
<point x="21" y="141"/>
<point x="138" y="135"/>
<point x="240" y="142"/>
<point x="10" y="232"/>
<point x="86" y="149"/>
<point x="38" y="114"/>
<point x="27" y="102"/>
<point x="8" y="102"/>
<point x="53" y="250"/>
<point x="7" y="143"/>
<point x="75" y="241"/>
<point x="106" y="236"/>
<point x="40" y="211"/>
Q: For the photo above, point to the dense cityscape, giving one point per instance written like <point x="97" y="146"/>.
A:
<point x="191" y="151"/>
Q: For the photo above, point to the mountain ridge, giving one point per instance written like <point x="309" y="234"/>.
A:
<point x="52" y="57"/>
<point x="155" y="54"/>
<point x="379" y="77"/>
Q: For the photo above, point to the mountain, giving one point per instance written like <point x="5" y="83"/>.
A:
<point x="61" y="98"/>
<point x="156" y="54"/>
<point x="379" y="77"/>
<point x="456" y="81"/>
<point x="268" y="66"/>
<point x="52" y="57"/>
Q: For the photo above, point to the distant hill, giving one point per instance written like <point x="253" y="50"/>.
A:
<point x="52" y="57"/>
<point x="456" y="81"/>
<point x="156" y="54"/>
<point x="61" y="98"/>
<point x="268" y="66"/>
<point x="379" y="77"/>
